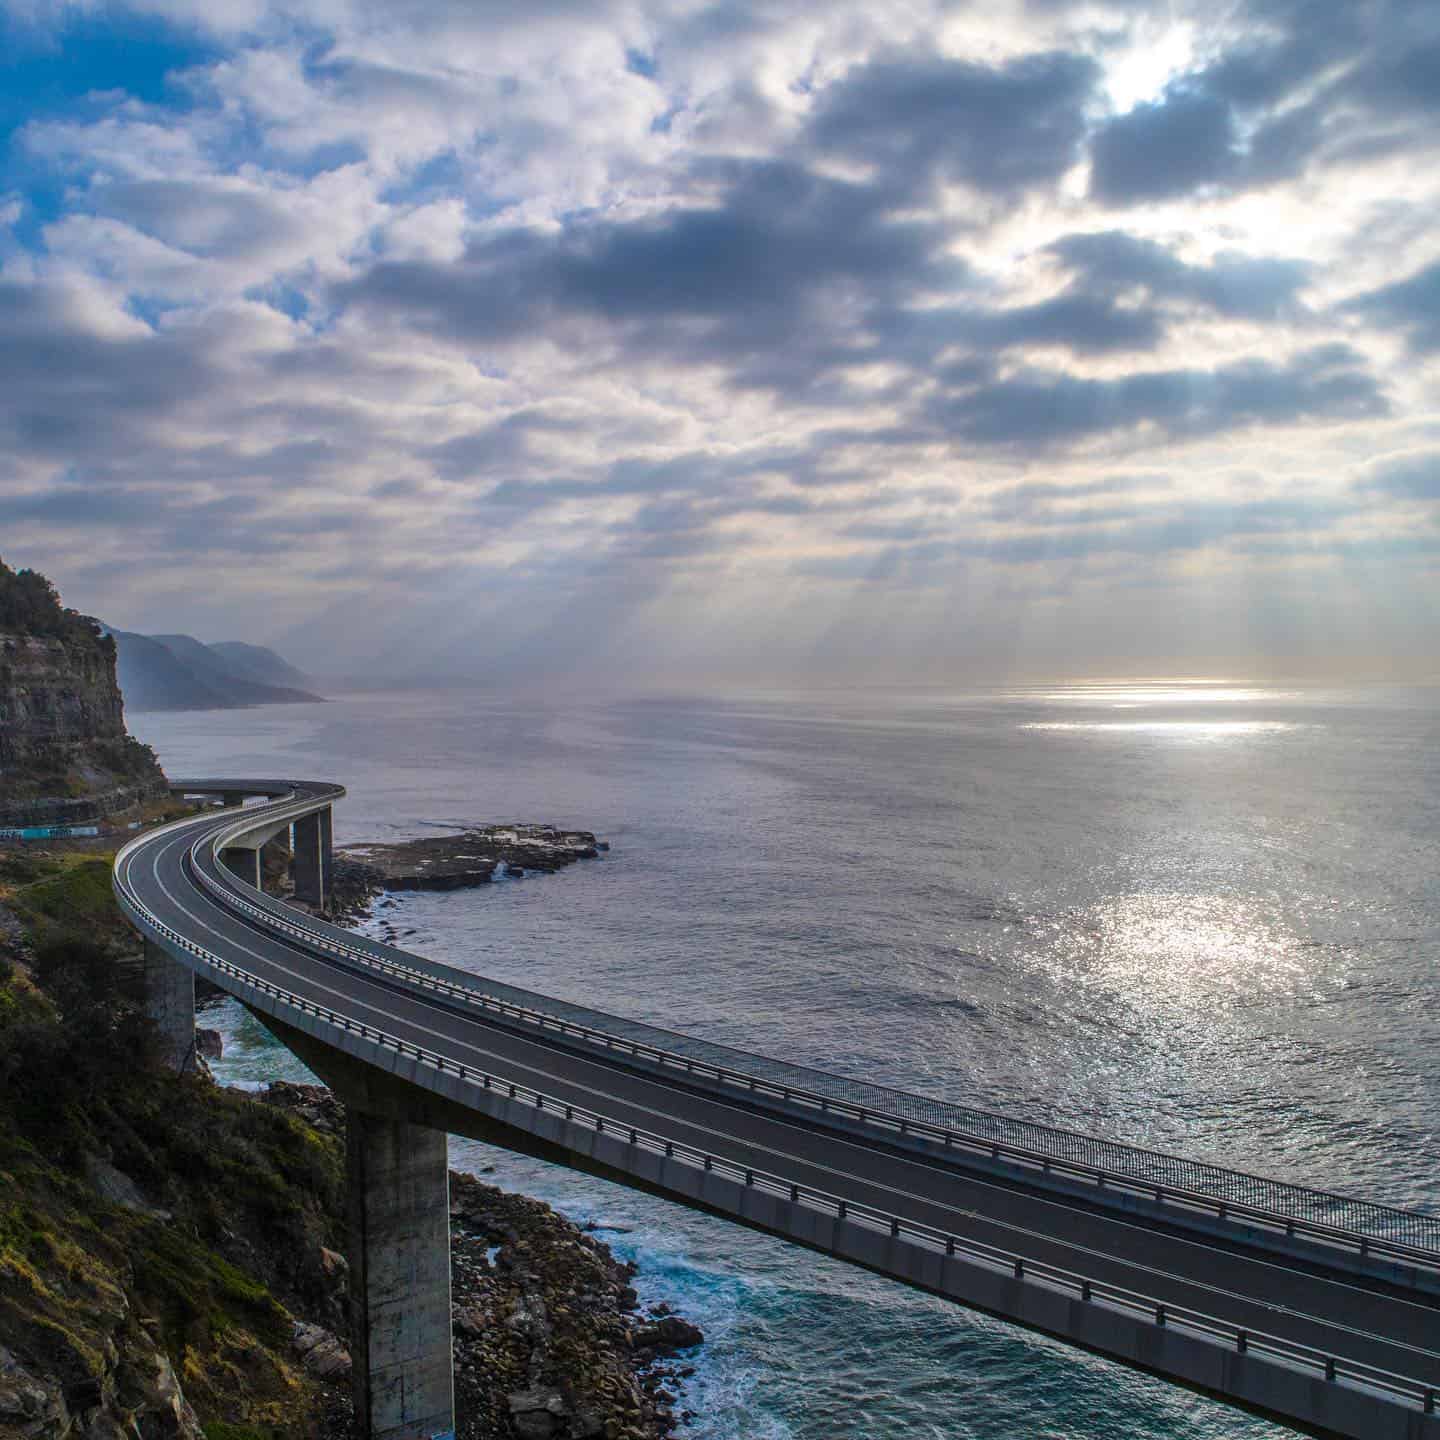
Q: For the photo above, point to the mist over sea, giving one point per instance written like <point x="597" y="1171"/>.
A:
<point x="1195" y="917"/>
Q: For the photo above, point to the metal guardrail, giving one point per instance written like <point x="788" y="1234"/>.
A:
<point x="1145" y="1308"/>
<point x="1373" y="1231"/>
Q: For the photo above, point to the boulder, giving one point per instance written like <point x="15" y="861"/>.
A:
<point x="539" y="1413"/>
<point x="320" y="1352"/>
<point x="666" y="1335"/>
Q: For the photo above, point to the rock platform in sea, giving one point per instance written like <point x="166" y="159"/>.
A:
<point x="474" y="856"/>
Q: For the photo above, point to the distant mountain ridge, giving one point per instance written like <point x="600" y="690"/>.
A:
<point x="179" y="672"/>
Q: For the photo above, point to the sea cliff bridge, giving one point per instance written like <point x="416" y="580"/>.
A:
<point x="1315" y="1309"/>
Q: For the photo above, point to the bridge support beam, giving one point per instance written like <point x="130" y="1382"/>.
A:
<point x="243" y="862"/>
<point x="170" y="1003"/>
<point x="231" y="798"/>
<point x="314" y="857"/>
<point x="401" y="1346"/>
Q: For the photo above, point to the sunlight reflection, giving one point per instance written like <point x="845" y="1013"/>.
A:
<point x="1133" y="694"/>
<point x="1166" y="951"/>
<point x="1185" y="729"/>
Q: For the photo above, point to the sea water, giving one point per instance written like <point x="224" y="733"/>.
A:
<point x="1196" y="917"/>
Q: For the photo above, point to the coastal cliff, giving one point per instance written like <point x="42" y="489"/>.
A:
<point x="65" y="757"/>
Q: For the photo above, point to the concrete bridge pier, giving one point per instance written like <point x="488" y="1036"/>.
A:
<point x="170" y="1003"/>
<point x="314" y="857"/>
<point x="399" y="1212"/>
<point x="244" y="861"/>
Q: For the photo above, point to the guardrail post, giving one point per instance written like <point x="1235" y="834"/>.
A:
<point x="313" y="857"/>
<point x="170" y="1005"/>
<point x="399" y="1206"/>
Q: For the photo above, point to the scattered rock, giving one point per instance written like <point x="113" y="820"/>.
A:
<point x="320" y="1352"/>
<point x="544" y="1320"/>
<point x="209" y="1043"/>
<point x="29" y="1410"/>
<point x="312" y="1103"/>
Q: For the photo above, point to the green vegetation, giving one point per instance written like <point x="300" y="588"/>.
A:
<point x="30" y="604"/>
<point x="238" y="1197"/>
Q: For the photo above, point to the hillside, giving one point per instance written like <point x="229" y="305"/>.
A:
<point x="257" y="662"/>
<point x="65" y="757"/>
<point x="178" y="672"/>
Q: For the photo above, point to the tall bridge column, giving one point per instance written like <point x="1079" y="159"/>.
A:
<point x="244" y="862"/>
<point x="170" y="1003"/>
<point x="313" y="857"/>
<point x="401" y="1346"/>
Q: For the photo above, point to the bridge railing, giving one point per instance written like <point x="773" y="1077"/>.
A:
<point x="1333" y="1369"/>
<point x="1189" y="1187"/>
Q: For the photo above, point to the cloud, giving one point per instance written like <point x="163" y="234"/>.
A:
<point x="1299" y="85"/>
<point x="1411" y="306"/>
<point x="1037" y="410"/>
<point x="1407" y="477"/>
<point x="920" y="118"/>
<point x="1182" y="143"/>
<point x="674" y="315"/>
<point x="1113" y="262"/>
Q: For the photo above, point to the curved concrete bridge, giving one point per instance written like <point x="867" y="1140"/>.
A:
<point x="1315" y="1309"/>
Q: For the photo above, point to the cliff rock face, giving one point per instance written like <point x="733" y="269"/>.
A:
<point x="65" y="757"/>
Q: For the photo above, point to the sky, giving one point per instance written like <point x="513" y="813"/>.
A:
<point x="731" y="344"/>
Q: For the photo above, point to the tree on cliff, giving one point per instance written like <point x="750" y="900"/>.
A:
<point x="30" y="604"/>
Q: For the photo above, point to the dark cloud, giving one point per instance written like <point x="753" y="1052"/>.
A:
<point x="1112" y="262"/>
<point x="1086" y="324"/>
<point x="1306" y="81"/>
<point x="1411" y="305"/>
<point x="1182" y="143"/>
<point x="917" y="118"/>
<point x="72" y="386"/>
<point x="1036" y="410"/>
<point x="1287" y="44"/>
<point x="737" y="273"/>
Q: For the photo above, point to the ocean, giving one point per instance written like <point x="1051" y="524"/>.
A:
<point x="1194" y="916"/>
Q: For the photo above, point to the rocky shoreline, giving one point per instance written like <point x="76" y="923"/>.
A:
<point x="475" y="856"/>
<point x="551" y="1342"/>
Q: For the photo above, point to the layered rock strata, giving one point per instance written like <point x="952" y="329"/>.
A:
<point x="65" y="757"/>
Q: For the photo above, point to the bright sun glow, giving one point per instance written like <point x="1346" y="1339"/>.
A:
<point x="1140" y="74"/>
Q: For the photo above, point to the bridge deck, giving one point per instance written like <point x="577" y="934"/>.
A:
<point x="925" y="1189"/>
